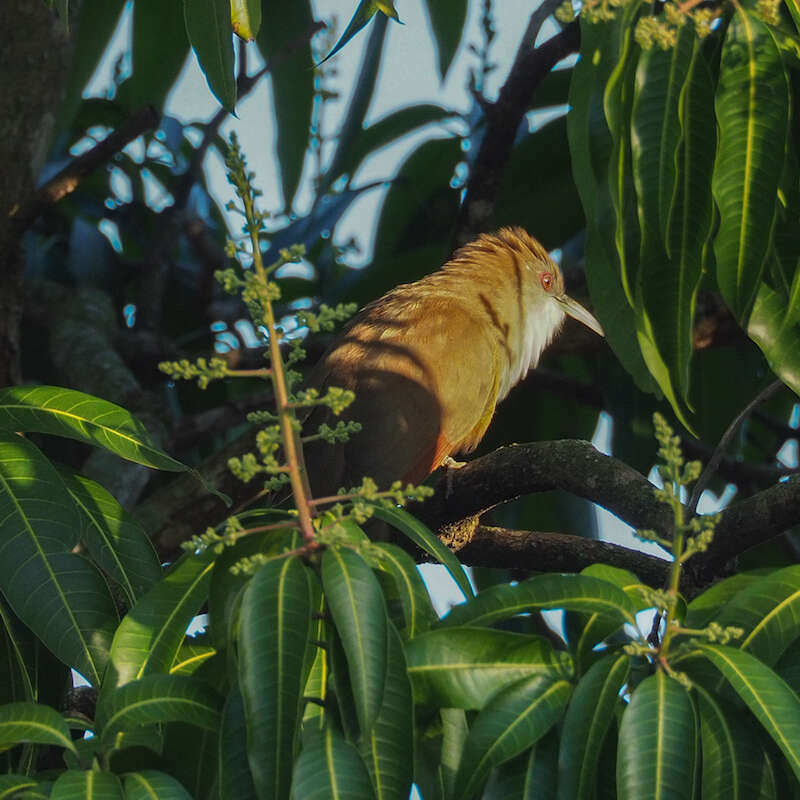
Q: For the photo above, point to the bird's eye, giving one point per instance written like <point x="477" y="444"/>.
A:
<point x="547" y="280"/>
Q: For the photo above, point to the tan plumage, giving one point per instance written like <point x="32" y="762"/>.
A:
<point x="430" y="360"/>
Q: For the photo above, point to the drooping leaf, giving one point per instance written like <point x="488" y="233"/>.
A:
<point x="656" y="756"/>
<point x="364" y="12"/>
<point x="274" y="633"/>
<point x="235" y="779"/>
<point x="208" y="25"/>
<point x="514" y="719"/>
<point x="80" y="416"/>
<point x="447" y="19"/>
<point x="359" y="613"/>
<point x="463" y="667"/>
<point x="31" y="722"/>
<point x="71" y="609"/>
<point x="752" y="105"/>
<point x="148" y="784"/>
<point x="91" y="785"/>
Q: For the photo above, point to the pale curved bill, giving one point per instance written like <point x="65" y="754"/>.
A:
<point x="578" y="312"/>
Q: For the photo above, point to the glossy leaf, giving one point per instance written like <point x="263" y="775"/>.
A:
<point x="364" y="12"/>
<point x="772" y="702"/>
<point x="275" y="628"/>
<point x="329" y="766"/>
<point x="114" y="538"/>
<point x="194" y="652"/>
<point x="208" y="25"/>
<point x="752" y="106"/>
<point x="235" y="779"/>
<point x="586" y="724"/>
<point x="706" y="606"/>
<point x="388" y="749"/>
<point x="407" y="589"/>
<point x="31" y="722"/>
<point x="150" y="784"/>
<point x="426" y="540"/>
<point x="463" y="667"/>
<point x="570" y="592"/>
<point x="59" y="595"/>
<point x="448" y="19"/>
<point x="656" y="756"/>
<point x="88" y="419"/>
<point x="357" y="607"/>
<point x="775" y="329"/>
<point x="768" y="611"/>
<point x="529" y="776"/>
<point x="285" y="43"/>
<point x="513" y="720"/>
<point x="150" y="636"/>
<point x="246" y="18"/>
<point x="158" y="698"/>
<point x="88" y="785"/>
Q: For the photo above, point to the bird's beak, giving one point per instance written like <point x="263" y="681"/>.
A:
<point x="578" y="312"/>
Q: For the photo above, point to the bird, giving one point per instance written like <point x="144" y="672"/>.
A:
<point x="429" y="361"/>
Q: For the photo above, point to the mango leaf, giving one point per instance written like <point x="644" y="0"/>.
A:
<point x="59" y="595"/>
<point x="529" y="776"/>
<point x="34" y="723"/>
<point x="158" y="698"/>
<point x="114" y="538"/>
<point x="208" y="25"/>
<point x="388" y="751"/>
<point x="772" y="702"/>
<point x="752" y="106"/>
<point x="364" y="12"/>
<point x="285" y="43"/>
<point x="150" y="783"/>
<point x="79" y="416"/>
<point x="447" y="19"/>
<point x="426" y="540"/>
<point x="91" y="785"/>
<point x="656" y="756"/>
<point x="195" y="651"/>
<point x="275" y="630"/>
<point x="329" y="766"/>
<point x="774" y="328"/>
<point x="463" y="667"/>
<point x="586" y="724"/>
<point x="570" y="592"/>
<point x="150" y="636"/>
<point x="707" y="605"/>
<point x="235" y="779"/>
<point x="512" y="720"/>
<point x="12" y="785"/>
<point x="357" y="607"/>
<point x="246" y="18"/>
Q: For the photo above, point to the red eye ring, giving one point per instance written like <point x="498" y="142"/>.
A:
<point x="546" y="279"/>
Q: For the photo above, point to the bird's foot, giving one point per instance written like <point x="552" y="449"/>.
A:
<point x="450" y="464"/>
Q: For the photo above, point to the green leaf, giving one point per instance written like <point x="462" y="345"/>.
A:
<point x="79" y="416"/>
<point x="407" y="589"/>
<point x="426" y="540"/>
<point x="114" y="538"/>
<point x="195" y="651"/>
<point x="11" y="786"/>
<point x="733" y="761"/>
<point x="772" y="702"/>
<point x="463" y="667"/>
<point x="773" y="328"/>
<point x="570" y="592"/>
<point x="89" y="785"/>
<point x="357" y="607"/>
<point x="330" y="767"/>
<point x="275" y="630"/>
<point x="150" y="636"/>
<point x="586" y="724"/>
<point x="246" y="18"/>
<point x="292" y="83"/>
<point x="530" y="776"/>
<point x="158" y="698"/>
<point x="752" y="105"/>
<point x="707" y="605"/>
<point x="657" y="742"/>
<point x="151" y="784"/>
<point x="235" y="779"/>
<point x="31" y="722"/>
<point x="364" y="12"/>
<point x="388" y="750"/>
<point x="512" y="720"/>
<point x="448" y="19"/>
<point x="769" y="613"/>
<point x="59" y="595"/>
<point x="208" y="25"/>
